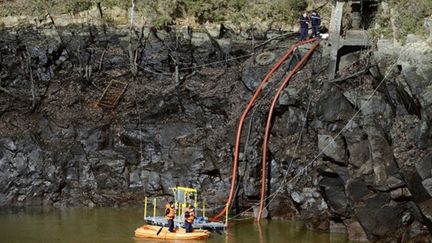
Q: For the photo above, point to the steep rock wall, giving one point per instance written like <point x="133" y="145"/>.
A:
<point x="362" y="164"/>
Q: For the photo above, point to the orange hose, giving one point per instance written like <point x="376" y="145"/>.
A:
<point x="241" y="122"/>
<point x="269" y="120"/>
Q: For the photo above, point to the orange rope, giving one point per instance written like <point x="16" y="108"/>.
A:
<point x="269" y="120"/>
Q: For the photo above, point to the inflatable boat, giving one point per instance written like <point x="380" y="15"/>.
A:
<point x="151" y="232"/>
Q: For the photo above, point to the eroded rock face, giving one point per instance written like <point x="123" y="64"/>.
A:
<point x="162" y="134"/>
<point x="334" y="149"/>
<point x="340" y="156"/>
<point x="373" y="168"/>
<point x="333" y="106"/>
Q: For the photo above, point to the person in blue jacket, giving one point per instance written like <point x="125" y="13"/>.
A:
<point x="304" y="26"/>
<point x="316" y="22"/>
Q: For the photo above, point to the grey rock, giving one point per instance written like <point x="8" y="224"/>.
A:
<point x="252" y="76"/>
<point x="426" y="211"/>
<point x="317" y="222"/>
<point x="256" y="211"/>
<point x="249" y="188"/>
<point x="8" y="144"/>
<point x="169" y="135"/>
<point x="199" y="39"/>
<point x="297" y="197"/>
<point x="419" y="231"/>
<point x="152" y="182"/>
<point x="416" y="65"/>
<point x="424" y="135"/>
<point x="290" y="123"/>
<point x="394" y="182"/>
<point x="357" y="190"/>
<point x="225" y="45"/>
<point x="375" y="107"/>
<point x="334" y="191"/>
<point x="91" y="139"/>
<point x="425" y="98"/>
<point x="386" y="52"/>
<point x="358" y="148"/>
<point x="334" y="149"/>
<point x="213" y="30"/>
<point x="333" y="106"/>
<point x="117" y="60"/>
<point x="414" y="184"/>
<point x="290" y="96"/>
<point x="400" y="193"/>
<point x="183" y="155"/>
<point x="427" y="184"/>
<point x="382" y="156"/>
<point x="424" y="166"/>
<point x="355" y="231"/>
<point x="386" y="221"/>
<point x="391" y="183"/>
<point x="407" y="218"/>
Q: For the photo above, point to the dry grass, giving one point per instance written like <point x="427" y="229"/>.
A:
<point x="163" y="12"/>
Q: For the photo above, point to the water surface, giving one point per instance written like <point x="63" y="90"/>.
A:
<point x="118" y="225"/>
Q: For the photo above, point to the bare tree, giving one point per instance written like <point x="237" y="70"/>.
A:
<point x="132" y="53"/>
<point x="32" y="83"/>
<point x="105" y="41"/>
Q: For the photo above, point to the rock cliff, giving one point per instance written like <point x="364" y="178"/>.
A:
<point x="349" y="156"/>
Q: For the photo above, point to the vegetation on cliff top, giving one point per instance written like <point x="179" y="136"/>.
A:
<point x="162" y="12"/>
<point x="201" y="11"/>
<point x="398" y="18"/>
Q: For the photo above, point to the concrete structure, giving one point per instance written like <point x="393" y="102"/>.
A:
<point x="354" y="37"/>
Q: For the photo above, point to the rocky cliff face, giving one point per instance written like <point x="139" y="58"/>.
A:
<point x="374" y="134"/>
<point x="60" y="148"/>
<point x="362" y="164"/>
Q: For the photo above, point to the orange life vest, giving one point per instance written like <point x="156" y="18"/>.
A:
<point x="169" y="212"/>
<point x="191" y="216"/>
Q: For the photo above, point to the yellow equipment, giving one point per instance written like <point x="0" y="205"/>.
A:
<point x="182" y="198"/>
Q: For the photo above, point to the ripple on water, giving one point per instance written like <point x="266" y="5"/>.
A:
<point x="118" y="225"/>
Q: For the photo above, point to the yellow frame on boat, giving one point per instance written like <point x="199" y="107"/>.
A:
<point x="180" y="206"/>
<point x="187" y="191"/>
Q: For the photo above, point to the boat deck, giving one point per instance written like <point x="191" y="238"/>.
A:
<point x="200" y="223"/>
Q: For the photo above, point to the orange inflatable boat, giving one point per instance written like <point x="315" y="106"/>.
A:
<point x="150" y="232"/>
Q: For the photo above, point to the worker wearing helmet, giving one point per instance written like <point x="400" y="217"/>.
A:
<point x="170" y="215"/>
<point x="189" y="219"/>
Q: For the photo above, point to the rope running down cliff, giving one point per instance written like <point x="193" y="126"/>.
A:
<point x="304" y="124"/>
<point x="273" y="195"/>
<point x="259" y="104"/>
<point x="362" y="51"/>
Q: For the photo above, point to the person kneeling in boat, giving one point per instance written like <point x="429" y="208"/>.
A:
<point x="170" y="215"/>
<point x="189" y="219"/>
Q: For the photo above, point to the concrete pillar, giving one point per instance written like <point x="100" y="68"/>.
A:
<point x="334" y="37"/>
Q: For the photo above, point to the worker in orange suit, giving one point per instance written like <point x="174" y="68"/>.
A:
<point x="170" y="215"/>
<point x="189" y="219"/>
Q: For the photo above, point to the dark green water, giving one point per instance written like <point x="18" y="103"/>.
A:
<point x="118" y="225"/>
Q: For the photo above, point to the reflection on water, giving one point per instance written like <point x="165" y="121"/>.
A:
<point x="118" y="225"/>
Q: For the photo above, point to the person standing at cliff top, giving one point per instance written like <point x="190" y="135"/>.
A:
<point x="304" y="26"/>
<point x="316" y="22"/>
